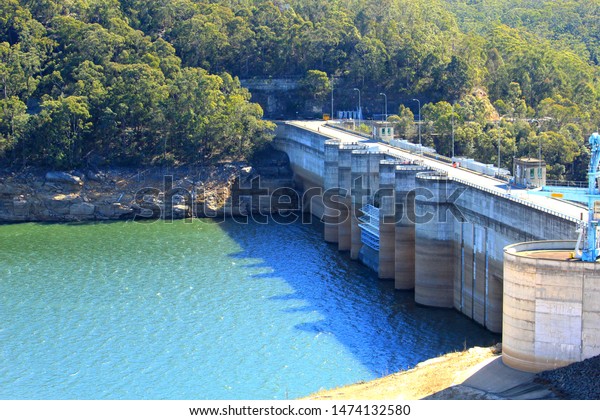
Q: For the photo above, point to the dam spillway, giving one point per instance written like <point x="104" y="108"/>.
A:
<point x="441" y="235"/>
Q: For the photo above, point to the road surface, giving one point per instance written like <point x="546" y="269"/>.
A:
<point x="559" y="206"/>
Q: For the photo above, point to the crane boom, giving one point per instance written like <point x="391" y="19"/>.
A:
<point x="590" y="251"/>
<point x="587" y="248"/>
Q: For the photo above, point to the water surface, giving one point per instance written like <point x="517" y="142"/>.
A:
<point x="201" y="311"/>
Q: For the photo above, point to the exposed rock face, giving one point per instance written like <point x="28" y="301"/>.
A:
<point x="226" y="190"/>
<point x="64" y="178"/>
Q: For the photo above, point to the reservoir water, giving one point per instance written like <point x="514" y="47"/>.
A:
<point x="201" y="310"/>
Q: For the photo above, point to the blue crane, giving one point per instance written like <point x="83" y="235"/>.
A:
<point x="587" y="244"/>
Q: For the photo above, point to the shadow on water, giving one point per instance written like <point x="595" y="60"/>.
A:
<point x="217" y="311"/>
<point x="383" y="328"/>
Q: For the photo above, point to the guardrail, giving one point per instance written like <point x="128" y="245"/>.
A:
<point x="556" y="183"/>
<point x="518" y="200"/>
<point x="338" y="126"/>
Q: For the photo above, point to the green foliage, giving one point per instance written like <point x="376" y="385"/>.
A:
<point x="60" y="128"/>
<point x="146" y="71"/>
<point x="316" y="84"/>
<point x="404" y="123"/>
<point x="97" y="86"/>
<point x="13" y="122"/>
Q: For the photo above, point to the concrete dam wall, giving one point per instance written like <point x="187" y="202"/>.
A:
<point x="442" y="237"/>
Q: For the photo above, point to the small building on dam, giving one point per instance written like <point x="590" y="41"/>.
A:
<point x="457" y="240"/>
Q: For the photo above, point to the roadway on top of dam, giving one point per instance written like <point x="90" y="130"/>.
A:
<point x="576" y="211"/>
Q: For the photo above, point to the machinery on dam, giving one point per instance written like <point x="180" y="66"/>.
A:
<point x="587" y="248"/>
<point x="551" y="309"/>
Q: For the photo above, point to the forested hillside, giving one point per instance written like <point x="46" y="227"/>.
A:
<point x="136" y="81"/>
<point x="80" y="85"/>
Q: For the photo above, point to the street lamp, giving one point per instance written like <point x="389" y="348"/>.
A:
<point x="420" y="146"/>
<point x="539" y="153"/>
<point x="359" y="113"/>
<point x="498" y="150"/>
<point x="453" y="132"/>
<point x="332" y="80"/>
<point x="385" y="97"/>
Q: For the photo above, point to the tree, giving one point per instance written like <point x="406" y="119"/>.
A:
<point x="210" y="118"/>
<point x="369" y="60"/>
<point x="135" y="95"/>
<point x="466" y="137"/>
<point x="558" y="110"/>
<point x="557" y="150"/>
<point x="316" y="84"/>
<point x="457" y="78"/>
<point x="59" y="131"/>
<point x="439" y="117"/>
<point x="13" y="123"/>
<point x="487" y="144"/>
<point x="15" y="79"/>
<point x="404" y="123"/>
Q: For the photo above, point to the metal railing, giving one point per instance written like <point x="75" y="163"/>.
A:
<point x="556" y="183"/>
<point x="518" y="200"/>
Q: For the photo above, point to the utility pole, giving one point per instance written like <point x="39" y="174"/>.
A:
<point x="385" y="97"/>
<point x="498" y="152"/>
<point x="332" y="80"/>
<point x="539" y="175"/>
<point x="359" y="108"/>
<point x="453" y="133"/>
<point x="420" y="145"/>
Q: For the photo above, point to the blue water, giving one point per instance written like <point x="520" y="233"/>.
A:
<point x="201" y="311"/>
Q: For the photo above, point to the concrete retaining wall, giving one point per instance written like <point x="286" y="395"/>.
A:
<point x="454" y="261"/>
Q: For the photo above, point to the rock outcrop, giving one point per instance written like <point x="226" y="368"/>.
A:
<point x="117" y="194"/>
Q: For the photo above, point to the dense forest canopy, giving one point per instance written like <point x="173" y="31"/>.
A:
<point x="138" y="82"/>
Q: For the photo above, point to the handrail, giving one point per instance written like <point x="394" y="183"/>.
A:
<point x="576" y="184"/>
<point x="518" y="200"/>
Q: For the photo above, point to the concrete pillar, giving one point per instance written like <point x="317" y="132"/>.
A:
<point x="495" y="244"/>
<point x="434" y="240"/>
<point x="330" y="191"/>
<point x="345" y="185"/>
<point x="385" y="199"/>
<point x="360" y="192"/>
<point x="481" y="274"/>
<point x="468" y="274"/>
<point x="405" y="183"/>
<point x="355" y="241"/>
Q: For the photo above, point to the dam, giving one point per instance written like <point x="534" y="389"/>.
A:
<point x="442" y="231"/>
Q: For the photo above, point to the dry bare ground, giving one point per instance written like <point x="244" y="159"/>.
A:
<point x="425" y="379"/>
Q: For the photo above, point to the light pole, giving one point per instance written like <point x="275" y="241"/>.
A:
<point x="332" y="80"/>
<point x="385" y="97"/>
<point x="420" y="146"/>
<point x="539" y="153"/>
<point x="453" y="133"/>
<point x="498" y="150"/>
<point x="359" y="113"/>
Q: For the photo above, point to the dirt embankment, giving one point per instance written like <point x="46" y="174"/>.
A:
<point x="425" y="379"/>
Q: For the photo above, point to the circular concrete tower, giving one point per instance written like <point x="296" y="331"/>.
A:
<point x="551" y="306"/>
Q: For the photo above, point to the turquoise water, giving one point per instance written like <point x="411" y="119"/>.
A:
<point x="201" y="311"/>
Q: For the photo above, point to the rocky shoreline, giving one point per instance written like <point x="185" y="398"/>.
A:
<point x="37" y="195"/>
